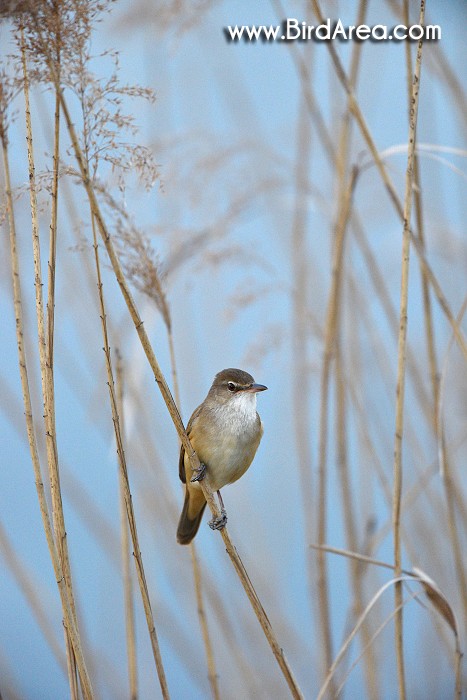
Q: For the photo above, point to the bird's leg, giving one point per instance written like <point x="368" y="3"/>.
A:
<point x="223" y="511"/>
<point x="199" y="473"/>
<point x="221" y="521"/>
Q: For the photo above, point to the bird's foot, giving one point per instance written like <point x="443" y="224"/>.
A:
<point x="199" y="473"/>
<point x="220" y="522"/>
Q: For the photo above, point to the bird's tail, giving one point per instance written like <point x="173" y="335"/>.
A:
<point x="188" y="526"/>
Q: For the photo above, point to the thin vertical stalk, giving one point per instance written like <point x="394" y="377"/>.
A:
<point x="49" y="340"/>
<point x="329" y="353"/>
<point x="343" y="149"/>
<point x="197" y="578"/>
<point x="125" y="555"/>
<point x="382" y="292"/>
<point x="69" y="622"/>
<point x="453" y="495"/>
<point x="301" y="372"/>
<point x="124" y="473"/>
<point x="391" y="190"/>
<point x="449" y="489"/>
<point x="428" y="318"/>
<point x="402" y="342"/>
<point x="370" y="663"/>
<point x="203" y="622"/>
<point x="333" y="155"/>
<point x="342" y="164"/>
<point x="50" y="324"/>
<point x="47" y="379"/>
<point x="450" y="496"/>
<point x="324" y="137"/>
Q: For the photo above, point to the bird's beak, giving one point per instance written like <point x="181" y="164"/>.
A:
<point x="253" y="388"/>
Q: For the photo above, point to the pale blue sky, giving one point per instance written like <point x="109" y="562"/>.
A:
<point x="223" y="130"/>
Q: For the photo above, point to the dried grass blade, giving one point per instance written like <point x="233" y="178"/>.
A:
<point x="360" y="621"/>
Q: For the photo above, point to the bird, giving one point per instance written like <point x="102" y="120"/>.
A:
<point x="225" y="432"/>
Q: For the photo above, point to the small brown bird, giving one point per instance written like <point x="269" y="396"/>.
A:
<point x="225" y="431"/>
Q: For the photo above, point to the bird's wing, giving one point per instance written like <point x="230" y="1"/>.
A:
<point x="181" y="461"/>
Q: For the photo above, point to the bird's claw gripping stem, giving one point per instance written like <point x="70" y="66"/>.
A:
<point x="199" y="473"/>
<point x="220" y="522"/>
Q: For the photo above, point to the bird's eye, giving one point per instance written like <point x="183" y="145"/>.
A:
<point x="231" y="386"/>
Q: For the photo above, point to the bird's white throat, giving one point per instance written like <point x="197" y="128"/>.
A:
<point x="239" y="413"/>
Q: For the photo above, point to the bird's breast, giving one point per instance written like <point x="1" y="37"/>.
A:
<point x="228" y="444"/>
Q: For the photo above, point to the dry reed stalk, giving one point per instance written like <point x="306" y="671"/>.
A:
<point x="450" y="491"/>
<point x="332" y="154"/>
<point x="350" y="522"/>
<point x="125" y="553"/>
<point x="384" y="296"/>
<point x="439" y="601"/>
<point x="47" y="382"/>
<point x="147" y="288"/>
<point x="351" y="636"/>
<point x="237" y="649"/>
<point x="371" y="641"/>
<point x="301" y="373"/>
<point x="382" y="292"/>
<point x="342" y="159"/>
<point x="401" y="363"/>
<point x="167" y="396"/>
<point x="358" y="116"/>
<point x="17" y="301"/>
<point x="449" y="77"/>
<point x="362" y="415"/>
<point x="433" y="364"/>
<point x="385" y="529"/>
<point x="364" y="558"/>
<point x="7" y="691"/>
<point x="342" y="156"/>
<point x="123" y="466"/>
<point x="437" y="62"/>
<point x="197" y="577"/>
<point x="150" y="282"/>
<point x="80" y="501"/>
<point x="308" y="94"/>
<point x="53" y="224"/>
<point x="392" y="193"/>
<point x="428" y="317"/>
<point x="49" y="332"/>
<point x="142" y="269"/>
<point x="384" y="361"/>
<point x="203" y="622"/>
<point x="376" y="277"/>
<point x="328" y="356"/>
<point x="453" y="494"/>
